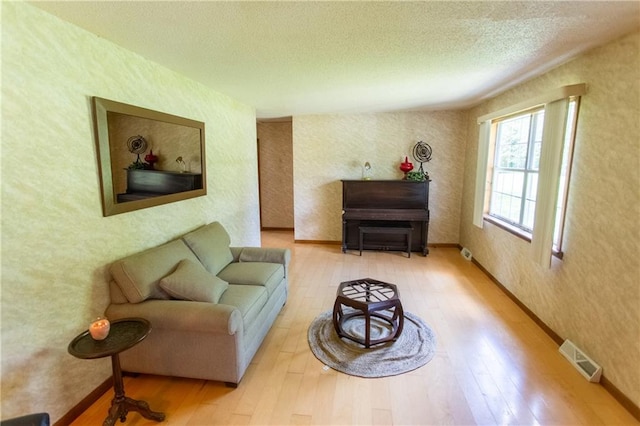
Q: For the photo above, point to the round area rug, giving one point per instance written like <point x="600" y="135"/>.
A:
<point x="414" y="348"/>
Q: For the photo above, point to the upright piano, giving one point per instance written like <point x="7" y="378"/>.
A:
<point x="142" y="183"/>
<point x="385" y="203"/>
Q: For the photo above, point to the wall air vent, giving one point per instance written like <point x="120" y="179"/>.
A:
<point x="585" y="365"/>
<point x="466" y="253"/>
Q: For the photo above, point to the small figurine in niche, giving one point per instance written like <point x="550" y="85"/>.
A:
<point x="137" y="145"/>
<point x="151" y="160"/>
<point x="183" y="165"/>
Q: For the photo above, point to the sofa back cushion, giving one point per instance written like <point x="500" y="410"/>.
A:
<point x="138" y="275"/>
<point x="210" y="243"/>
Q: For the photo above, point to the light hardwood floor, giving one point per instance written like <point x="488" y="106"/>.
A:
<point x="493" y="364"/>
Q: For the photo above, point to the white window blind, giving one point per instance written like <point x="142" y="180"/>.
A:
<point x="481" y="173"/>
<point x="548" y="180"/>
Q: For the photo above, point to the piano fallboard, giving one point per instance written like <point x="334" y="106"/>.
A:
<point x="386" y="214"/>
<point x="383" y="203"/>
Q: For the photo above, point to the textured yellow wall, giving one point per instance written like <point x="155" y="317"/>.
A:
<point x="592" y="297"/>
<point x="276" y="174"/>
<point x="328" y="148"/>
<point x="55" y="241"/>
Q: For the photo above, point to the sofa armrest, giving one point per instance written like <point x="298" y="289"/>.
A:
<point x="267" y="255"/>
<point x="181" y="315"/>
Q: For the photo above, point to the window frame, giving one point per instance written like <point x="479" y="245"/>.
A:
<point x="563" y="192"/>
<point x="519" y="227"/>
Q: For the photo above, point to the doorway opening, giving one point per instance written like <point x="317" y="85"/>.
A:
<point x="275" y="173"/>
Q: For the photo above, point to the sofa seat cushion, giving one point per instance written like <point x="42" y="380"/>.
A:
<point x="268" y="275"/>
<point x="138" y="275"/>
<point x="210" y="243"/>
<point x="190" y="281"/>
<point x="248" y="299"/>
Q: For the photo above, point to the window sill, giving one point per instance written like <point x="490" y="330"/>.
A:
<point x="511" y="229"/>
<point x="517" y="232"/>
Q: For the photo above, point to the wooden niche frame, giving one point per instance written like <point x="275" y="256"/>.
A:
<point x="169" y="136"/>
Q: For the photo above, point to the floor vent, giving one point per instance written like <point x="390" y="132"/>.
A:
<point x="581" y="362"/>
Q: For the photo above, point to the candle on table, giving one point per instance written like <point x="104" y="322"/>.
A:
<point x="99" y="329"/>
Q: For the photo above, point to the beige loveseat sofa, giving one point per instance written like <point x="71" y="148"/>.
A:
<point x="210" y="305"/>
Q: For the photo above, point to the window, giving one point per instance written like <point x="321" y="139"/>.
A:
<point x="524" y="164"/>
<point x="516" y="165"/>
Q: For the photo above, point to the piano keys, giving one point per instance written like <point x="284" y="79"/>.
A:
<point x="385" y="203"/>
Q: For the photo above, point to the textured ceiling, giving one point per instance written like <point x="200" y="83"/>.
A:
<point x="291" y="58"/>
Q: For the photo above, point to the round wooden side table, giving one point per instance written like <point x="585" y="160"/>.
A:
<point x="124" y="334"/>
